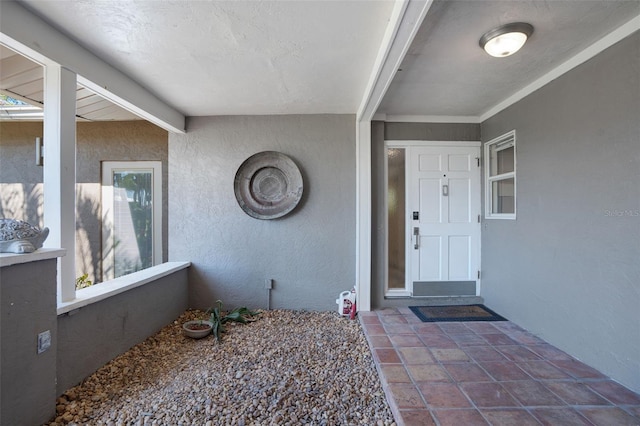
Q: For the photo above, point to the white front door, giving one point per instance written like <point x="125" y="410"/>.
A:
<point x="443" y="238"/>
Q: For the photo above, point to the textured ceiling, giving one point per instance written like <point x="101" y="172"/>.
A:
<point x="446" y="73"/>
<point x="234" y="57"/>
<point x="316" y="56"/>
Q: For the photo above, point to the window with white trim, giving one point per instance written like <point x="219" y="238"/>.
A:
<point x="132" y="216"/>
<point x="500" y="177"/>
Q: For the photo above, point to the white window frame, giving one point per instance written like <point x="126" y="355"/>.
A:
<point x="108" y="167"/>
<point x="501" y="142"/>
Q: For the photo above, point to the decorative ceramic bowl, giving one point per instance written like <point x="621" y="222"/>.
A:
<point x="197" y="329"/>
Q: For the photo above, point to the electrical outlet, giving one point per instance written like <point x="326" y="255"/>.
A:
<point x="268" y="283"/>
<point x="44" y="341"/>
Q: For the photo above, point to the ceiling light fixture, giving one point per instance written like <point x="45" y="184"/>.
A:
<point x="506" y="39"/>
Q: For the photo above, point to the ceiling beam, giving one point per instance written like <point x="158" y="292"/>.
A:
<point x="405" y="21"/>
<point x="34" y="38"/>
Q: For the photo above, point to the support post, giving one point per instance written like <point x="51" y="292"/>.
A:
<point x="59" y="174"/>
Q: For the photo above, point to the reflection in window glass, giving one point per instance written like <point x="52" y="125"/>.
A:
<point x="503" y="196"/>
<point x="501" y="160"/>
<point x="133" y="221"/>
<point x="396" y="214"/>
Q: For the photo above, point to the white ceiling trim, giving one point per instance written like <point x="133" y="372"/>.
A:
<point x="607" y="41"/>
<point x="391" y="118"/>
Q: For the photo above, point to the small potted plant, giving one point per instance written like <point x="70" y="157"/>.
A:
<point x="197" y="329"/>
<point x="200" y="328"/>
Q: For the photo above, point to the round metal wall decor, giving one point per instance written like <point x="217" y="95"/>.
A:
<point x="268" y="185"/>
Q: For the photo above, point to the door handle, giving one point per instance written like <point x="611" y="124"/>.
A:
<point x="416" y="233"/>
<point x="445" y="190"/>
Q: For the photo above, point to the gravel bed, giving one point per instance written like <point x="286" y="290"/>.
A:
<point x="286" y="368"/>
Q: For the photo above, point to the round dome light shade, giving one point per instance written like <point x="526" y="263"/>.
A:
<point x="506" y="40"/>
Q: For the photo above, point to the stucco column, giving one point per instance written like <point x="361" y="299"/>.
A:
<point x="363" y="212"/>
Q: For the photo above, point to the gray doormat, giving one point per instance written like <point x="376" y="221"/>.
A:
<point x="455" y="313"/>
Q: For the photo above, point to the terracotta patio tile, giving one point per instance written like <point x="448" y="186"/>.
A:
<point x="488" y="395"/>
<point x="392" y="319"/>
<point x="388" y="311"/>
<point x="575" y="393"/>
<point x="443" y="395"/>
<point x="481" y="327"/>
<point x="609" y="416"/>
<point x="634" y="411"/>
<point x="484" y="353"/>
<point x="456" y="369"/>
<point x="453" y="327"/>
<point x="526" y="338"/>
<point x="417" y="418"/>
<point x="405" y="310"/>
<point x="465" y="417"/>
<point x="504" y="370"/>
<point x="509" y="417"/>
<point x="578" y="369"/>
<point x="549" y="352"/>
<point x="508" y="327"/>
<point x="449" y="355"/>
<point x="412" y="319"/>
<point x="468" y="339"/>
<point x="428" y="373"/>
<point x="559" y="417"/>
<point x="428" y="328"/>
<point x="406" y="340"/>
<point x="499" y="339"/>
<point x="406" y="396"/>
<point x="380" y="342"/>
<point x="398" y="329"/>
<point x="374" y="329"/>
<point x="542" y="370"/>
<point x="517" y="353"/>
<point x="386" y="356"/>
<point x="615" y="392"/>
<point x="394" y="373"/>
<point x="532" y="393"/>
<point x="368" y="319"/>
<point x="437" y="341"/>
<point x="416" y="355"/>
<point x="467" y="372"/>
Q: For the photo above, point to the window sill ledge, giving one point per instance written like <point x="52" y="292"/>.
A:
<point x="104" y="290"/>
<point x="8" y="259"/>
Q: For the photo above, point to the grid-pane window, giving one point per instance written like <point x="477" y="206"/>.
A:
<point x="500" y="177"/>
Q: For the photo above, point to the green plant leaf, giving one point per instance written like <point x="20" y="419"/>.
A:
<point x="237" y="315"/>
